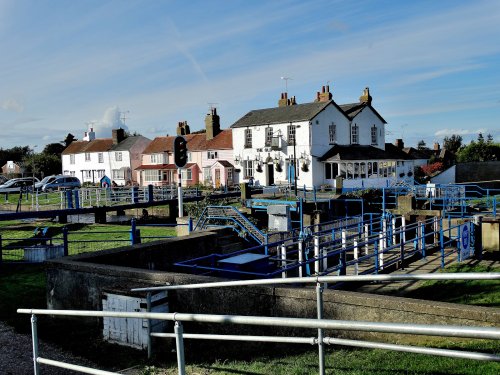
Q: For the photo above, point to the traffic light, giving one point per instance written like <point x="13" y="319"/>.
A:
<point x="180" y="152"/>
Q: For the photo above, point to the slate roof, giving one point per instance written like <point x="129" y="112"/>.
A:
<point x="195" y="142"/>
<point x="361" y="152"/>
<point x="278" y="115"/>
<point x="127" y="143"/>
<point x="299" y="112"/>
<point x="97" y="145"/>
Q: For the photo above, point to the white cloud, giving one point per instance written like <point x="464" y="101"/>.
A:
<point x="12" y="105"/>
<point x="112" y="119"/>
<point x="448" y="132"/>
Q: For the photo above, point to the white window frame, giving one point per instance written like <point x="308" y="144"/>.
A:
<point x="292" y="134"/>
<point x="374" y="135"/>
<point x="118" y="156"/>
<point x="152" y="175"/>
<point x="355" y="134"/>
<point x="187" y="174"/>
<point x="248" y="169"/>
<point x="118" y="174"/>
<point x="269" y="137"/>
<point x="207" y="174"/>
<point x="72" y="159"/>
<point x="100" y="157"/>
<point x="212" y="155"/>
<point x="332" y="133"/>
<point x="87" y="156"/>
<point x="248" y="138"/>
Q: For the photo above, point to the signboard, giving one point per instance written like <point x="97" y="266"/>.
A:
<point x="465" y="248"/>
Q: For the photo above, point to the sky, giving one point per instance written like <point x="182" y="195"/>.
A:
<point x="433" y="67"/>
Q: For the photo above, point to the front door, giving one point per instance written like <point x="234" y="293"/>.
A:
<point x="270" y="174"/>
<point x="217" y="178"/>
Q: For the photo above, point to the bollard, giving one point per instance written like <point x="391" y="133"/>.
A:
<point x="356" y="265"/>
<point x="179" y="344"/>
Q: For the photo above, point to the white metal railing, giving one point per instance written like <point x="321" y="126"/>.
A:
<point x="320" y="324"/>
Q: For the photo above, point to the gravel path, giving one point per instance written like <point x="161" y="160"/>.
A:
<point x="16" y="355"/>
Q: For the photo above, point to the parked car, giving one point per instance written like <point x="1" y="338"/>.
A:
<point x="17" y="184"/>
<point x="62" y="183"/>
<point x="46" y="180"/>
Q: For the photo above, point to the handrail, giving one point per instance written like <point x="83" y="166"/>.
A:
<point x="330" y="279"/>
<point x="239" y="218"/>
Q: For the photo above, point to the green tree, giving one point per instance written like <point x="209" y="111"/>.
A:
<point x="479" y="151"/>
<point x="54" y="149"/>
<point x="42" y="164"/>
<point x="421" y="145"/>
<point x="69" y="139"/>
<point x="453" y="143"/>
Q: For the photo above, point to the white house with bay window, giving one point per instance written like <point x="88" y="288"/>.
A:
<point x="318" y="143"/>
<point x="93" y="158"/>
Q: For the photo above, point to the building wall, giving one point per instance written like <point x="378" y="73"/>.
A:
<point x="446" y="177"/>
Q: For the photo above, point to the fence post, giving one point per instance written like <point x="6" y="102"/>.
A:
<point x="77" y="198"/>
<point x="356" y="256"/>
<point x="422" y="231"/>
<point x="401" y="250"/>
<point x="190" y="224"/>
<point x="375" y="252"/>
<point x="1" y="250"/>
<point x="342" y="258"/>
<point x="441" y="241"/>
<point x="283" y="259"/>
<point x="65" y="240"/>
<point x="459" y="243"/>
<point x="478" y="238"/>
<point x="321" y="347"/>
<point x="301" y="255"/>
<point x="381" y="250"/>
<point x="34" y="334"/>
<point x="316" y="254"/>
<point x="367" y="246"/>
<point x="135" y="234"/>
<point x="179" y="344"/>
<point x="150" y="193"/>
<point x="394" y="231"/>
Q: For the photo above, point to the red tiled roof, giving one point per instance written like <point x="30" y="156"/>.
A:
<point x="97" y="145"/>
<point x="195" y="142"/>
<point x="162" y="167"/>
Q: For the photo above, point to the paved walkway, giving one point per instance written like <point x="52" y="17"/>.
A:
<point x="432" y="263"/>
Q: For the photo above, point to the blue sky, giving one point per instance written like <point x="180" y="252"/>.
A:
<point x="433" y="67"/>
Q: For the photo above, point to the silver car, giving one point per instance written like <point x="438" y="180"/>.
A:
<point x="17" y="184"/>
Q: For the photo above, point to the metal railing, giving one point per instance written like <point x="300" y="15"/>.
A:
<point x="320" y="324"/>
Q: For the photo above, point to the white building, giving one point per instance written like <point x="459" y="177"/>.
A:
<point x="318" y="143"/>
<point x="93" y="158"/>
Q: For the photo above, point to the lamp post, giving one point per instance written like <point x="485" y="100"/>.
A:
<point x="295" y="159"/>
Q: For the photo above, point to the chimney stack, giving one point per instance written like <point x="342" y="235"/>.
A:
<point x="183" y="128"/>
<point x="399" y="143"/>
<point x="283" y="102"/>
<point x="212" y="124"/>
<point x="325" y="95"/>
<point x="365" y="97"/>
<point x="436" y="146"/>
<point x="118" y="135"/>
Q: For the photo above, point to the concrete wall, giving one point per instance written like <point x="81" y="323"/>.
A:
<point x="78" y="283"/>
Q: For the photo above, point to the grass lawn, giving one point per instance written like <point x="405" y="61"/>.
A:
<point x="473" y="292"/>
<point x="81" y="238"/>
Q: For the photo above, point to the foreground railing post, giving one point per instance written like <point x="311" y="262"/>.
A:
<point x="34" y="334"/>
<point x="321" y="345"/>
<point x="179" y="344"/>
<point x="441" y="241"/>
<point x="316" y="255"/>
<point x="148" y="309"/>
